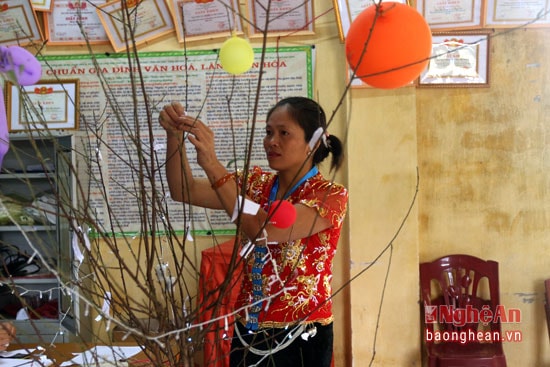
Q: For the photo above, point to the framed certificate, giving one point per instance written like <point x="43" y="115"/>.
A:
<point x="347" y="10"/>
<point x="286" y="17"/>
<point x="196" y="20"/>
<point x="47" y="105"/>
<point x="42" y="5"/>
<point x="512" y="13"/>
<point x="18" y="23"/>
<point x="149" y="20"/>
<point x="74" y="21"/>
<point x="458" y="60"/>
<point x="458" y="14"/>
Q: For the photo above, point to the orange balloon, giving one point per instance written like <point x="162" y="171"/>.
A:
<point x="388" y="45"/>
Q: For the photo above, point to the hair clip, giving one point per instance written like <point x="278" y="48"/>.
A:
<point x="315" y="138"/>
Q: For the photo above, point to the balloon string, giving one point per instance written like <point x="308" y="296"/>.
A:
<point x="382" y="12"/>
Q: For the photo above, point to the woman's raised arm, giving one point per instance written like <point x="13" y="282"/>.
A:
<point x="183" y="186"/>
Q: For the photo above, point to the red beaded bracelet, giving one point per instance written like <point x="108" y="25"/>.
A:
<point x="222" y="181"/>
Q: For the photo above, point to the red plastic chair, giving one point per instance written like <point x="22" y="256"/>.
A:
<point x="455" y="290"/>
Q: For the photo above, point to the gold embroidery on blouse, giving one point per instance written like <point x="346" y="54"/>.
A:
<point x="304" y="266"/>
<point x="282" y="325"/>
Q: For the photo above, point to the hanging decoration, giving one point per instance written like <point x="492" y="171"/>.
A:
<point x="20" y="67"/>
<point x="388" y="45"/>
<point x="4" y="136"/>
<point x="236" y="55"/>
<point x="282" y="214"/>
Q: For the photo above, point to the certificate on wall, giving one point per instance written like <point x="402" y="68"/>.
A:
<point x="204" y="20"/>
<point x="458" y="60"/>
<point x="62" y="23"/>
<point x="510" y="13"/>
<point x="46" y="105"/>
<point x="42" y="5"/>
<point x="150" y="19"/>
<point x="285" y="17"/>
<point x="458" y="14"/>
<point x="18" y="23"/>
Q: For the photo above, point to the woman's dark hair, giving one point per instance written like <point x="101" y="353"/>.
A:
<point x="310" y="116"/>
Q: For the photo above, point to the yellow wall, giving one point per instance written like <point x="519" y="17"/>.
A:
<point x="382" y="156"/>
<point x="485" y="184"/>
<point x="483" y="164"/>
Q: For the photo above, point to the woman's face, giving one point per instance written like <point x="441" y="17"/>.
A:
<point x="284" y="142"/>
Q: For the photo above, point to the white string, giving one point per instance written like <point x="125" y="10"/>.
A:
<point x="290" y="337"/>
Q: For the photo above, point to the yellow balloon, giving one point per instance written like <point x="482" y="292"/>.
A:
<point x="236" y="55"/>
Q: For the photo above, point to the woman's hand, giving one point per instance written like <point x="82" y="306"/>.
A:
<point x="170" y="118"/>
<point x="7" y="333"/>
<point x="174" y="120"/>
<point x="184" y="187"/>
<point x="202" y="138"/>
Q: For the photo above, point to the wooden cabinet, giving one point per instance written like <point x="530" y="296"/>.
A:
<point x="36" y="188"/>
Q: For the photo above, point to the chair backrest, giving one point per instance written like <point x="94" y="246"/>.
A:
<point x="457" y="293"/>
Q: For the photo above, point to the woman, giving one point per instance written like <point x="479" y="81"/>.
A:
<point x="285" y="312"/>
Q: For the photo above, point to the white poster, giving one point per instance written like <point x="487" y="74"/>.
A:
<point x="225" y="102"/>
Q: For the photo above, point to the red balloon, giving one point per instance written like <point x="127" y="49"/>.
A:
<point x="282" y="214"/>
<point x="388" y="45"/>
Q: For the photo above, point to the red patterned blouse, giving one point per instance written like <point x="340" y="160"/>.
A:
<point x="297" y="275"/>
